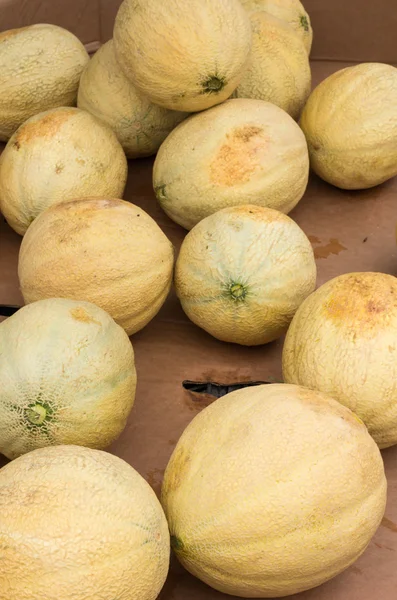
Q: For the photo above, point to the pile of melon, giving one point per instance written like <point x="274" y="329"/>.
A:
<point x="273" y="489"/>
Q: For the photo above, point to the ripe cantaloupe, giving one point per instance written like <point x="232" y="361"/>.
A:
<point x="58" y="155"/>
<point x="105" y="92"/>
<point x="273" y="490"/>
<point x="241" y="152"/>
<point x="79" y="524"/>
<point x="289" y="11"/>
<point x="278" y="69"/>
<point x="343" y="341"/>
<point x="242" y="273"/>
<point x="106" y="251"/>
<point x="350" y="123"/>
<point x="183" y="55"/>
<point x="67" y="377"/>
<point x="40" y="68"/>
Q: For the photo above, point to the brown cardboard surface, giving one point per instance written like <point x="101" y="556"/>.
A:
<point x="349" y="231"/>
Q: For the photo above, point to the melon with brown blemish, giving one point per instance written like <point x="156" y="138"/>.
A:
<point x="183" y="55"/>
<point x="242" y="273"/>
<point x="343" y="341"/>
<point x="58" y="155"/>
<point x="40" y="68"/>
<point x="283" y="490"/>
<point x="105" y="92"/>
<point x="106" y="251"/>
<point x="278" y="69"/>
<point x="291" y="12"/>
<point x="244" y="151"/>
<point x="67" y="377"/>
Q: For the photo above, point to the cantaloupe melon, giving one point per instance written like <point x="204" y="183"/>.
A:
<point x="67" y="377"/>
<point x="343" y="341"/>
<point x="58" y="155"/>
<point x="242" y="273"/>
<point x="183" y="55"/>
<point x="289" y="11"/>
<point x="106" y="251"/>
<point x="278" y="69"/>
<point x="79" y="524"/>
<point x="273" y="490"/>
<point x="105" y="92"/>
<point x="350" y="122"/>
<point x="40" y="68"/>
<point x="242" y="152"/>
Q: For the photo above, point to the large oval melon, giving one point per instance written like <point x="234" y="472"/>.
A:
<point x="58" y="155"/>
<point x="278" y="69"/>
<point x="105" y="251"/>
<point x="343" y="341"/>
<point x="105" y="92"/>
<point x="241" y="152"/>
<point x="350" y="122"/>
<point x="79" y="524"/>
<point x="242" y="273"/>
<point x="67" y="377"/>
<point x="273" y="490"/>
<point x="40" y="68"/>
<point x="289" y="11"/>
<point x="183" y="55"/>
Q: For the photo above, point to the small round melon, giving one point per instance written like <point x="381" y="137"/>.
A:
<point x="183" y="55"/>
<point x="350" y="122"/>
<point x="273" y="490"/>
<point x="289" y="11"/>
<point x="243" y="272"/>
<point x="105" y="92"/>
<point x="68" y="377"/>
<point x="343" y="341"/>
<point x="40" y="68"/>
<point x="58" y="155"/>
<point x="105" y="251"/>
<point x="82" y="524"/>
<point x="242" y="152"/>
<point x="278" y="70"/>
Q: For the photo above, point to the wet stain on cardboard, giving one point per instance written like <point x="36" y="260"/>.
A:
<point x="324" y="251"/>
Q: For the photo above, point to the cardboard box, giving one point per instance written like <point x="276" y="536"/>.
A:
<point x="350" y="231"/>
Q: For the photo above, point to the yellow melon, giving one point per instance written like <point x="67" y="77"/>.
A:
<point x="242" y="152"/>
<point x="105" y="251"/>
<point x="183" y="55"/>
<point x="343" y="341"/>
<point x="79" y="523"/>
<point x="68" y="377"/>
<point x="278" y="69"/>
<point x="350" y="122"/>
<point x="242" y="273"/>
<point x="40" y="68"/>
<point x="273" y="490"/>
<point x="289" y="11"/>
<point x="58" y="155"/>
<point x="105" y="92"/>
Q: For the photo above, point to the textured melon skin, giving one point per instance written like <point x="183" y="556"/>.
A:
<point x="68" y="377"/>
<point x="77" y="523"/>
<point x="278" y="70"/>
<point x="242" y="273"/>
<point x="343" y="341"/>
<point x="273" y="490"/>
<point x="289" y="11"/>
<point x="242" y="152"/>
<point x="40" y="68"/>
<point x="350" y="123"/>
<point x="105" y="92"/>
<point x="58" y="155"/>
<point x="183" y="55"/>
<point x="106" y="251"/>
